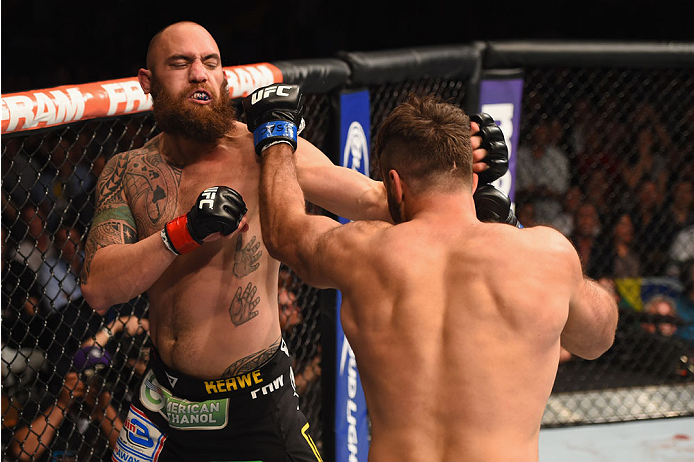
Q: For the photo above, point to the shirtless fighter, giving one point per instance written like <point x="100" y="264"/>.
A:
<point x="178" y="219"/>
<point x="431" y="303"/>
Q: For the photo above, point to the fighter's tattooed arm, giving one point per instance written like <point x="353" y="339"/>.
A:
<point x="105" y="234"/>
<point x="246" y="256"/>
<point x="251" y="362"/>
<point x="152" y="189"/>
<point x="242" y="308"/>
<point x="136" y="193"/>
<point x="113" y="221"/>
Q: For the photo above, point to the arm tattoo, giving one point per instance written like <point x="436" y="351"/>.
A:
<point x="246" y="257"/>
<point x="103" y="234"/>
<point x="113" y="221"/>
<point x="152" y="186"/>
<point x="242" y="306"/>
<point x="251" y="362"/>
<point x="111" y="187"/>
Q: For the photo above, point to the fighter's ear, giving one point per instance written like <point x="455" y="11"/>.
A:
<point x="475" y="182"/>
<point x="144" y="76"/>
<point x="398" y="187"/>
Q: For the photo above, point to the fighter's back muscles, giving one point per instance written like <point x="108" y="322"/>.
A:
<point x="118" y="266"/>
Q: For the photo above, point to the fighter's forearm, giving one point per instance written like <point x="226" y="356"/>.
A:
<point x="119" y="272"/>
<point x="342" y="191"/>
<point x="346" y="193"/>
<point x="290" y="234"/>
<point x="282" y="203"/>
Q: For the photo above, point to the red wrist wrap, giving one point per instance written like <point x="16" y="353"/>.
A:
<point x="179" y="236"/>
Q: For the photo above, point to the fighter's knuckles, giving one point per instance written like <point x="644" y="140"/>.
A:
<point x="475" y="142"/>
<point x="498" y="150"/>
<point x="490" y="145"/>
<point x="490" y="134"/>
<point x="482" y="118"/>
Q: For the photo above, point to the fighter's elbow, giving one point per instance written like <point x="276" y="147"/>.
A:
<point x="598" y="348"/>
<point x="589" y="347"/>
<point x="605" y="339"/>
<point x="275" y="241"/>
<point x="95" y="298"/>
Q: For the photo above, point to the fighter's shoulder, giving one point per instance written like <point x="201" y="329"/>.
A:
<point x="552" y="244"/>
<point x="147" y="159"/>
<point x="364" y="228"/>
<point x="549" y="237"/>
<point x="124" y="161"/>
<point x="358" y="235"/>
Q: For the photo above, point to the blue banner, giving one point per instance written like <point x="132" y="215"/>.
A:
<point x="501" y="98"/>
<point x="351" y="417"/>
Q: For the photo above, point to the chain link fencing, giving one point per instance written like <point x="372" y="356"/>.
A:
<point x="605" y="156"/>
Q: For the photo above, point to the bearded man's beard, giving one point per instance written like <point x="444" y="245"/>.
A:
<point x="198" y="122"/>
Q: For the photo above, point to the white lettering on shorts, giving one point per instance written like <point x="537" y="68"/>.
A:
<point x="269" y="388"/>
<point x="139" y="440"/>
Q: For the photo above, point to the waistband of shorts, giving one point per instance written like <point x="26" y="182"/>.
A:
<point x="247" y="385"/>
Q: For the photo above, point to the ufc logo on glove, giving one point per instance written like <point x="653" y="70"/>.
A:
<point x="279" y="90"/>
<point x="208" y="195"/>
<point x="274" y="115"/>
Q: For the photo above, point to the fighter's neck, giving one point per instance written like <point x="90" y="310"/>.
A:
<point x="179" y="151"/>
<point x="443" y="206"/>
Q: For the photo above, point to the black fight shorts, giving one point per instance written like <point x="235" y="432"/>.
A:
<point x="252" y="417"/>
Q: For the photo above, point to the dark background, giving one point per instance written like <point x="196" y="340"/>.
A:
<point x="52" y="43"/>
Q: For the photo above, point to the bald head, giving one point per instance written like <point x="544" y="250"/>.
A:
<point x="173" y="39"/>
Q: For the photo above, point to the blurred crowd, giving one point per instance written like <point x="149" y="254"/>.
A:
<point x="623" y="193"/>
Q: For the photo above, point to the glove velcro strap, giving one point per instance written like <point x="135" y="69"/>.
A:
<point x="178" y="235"/>
<point x="275" y="129"/>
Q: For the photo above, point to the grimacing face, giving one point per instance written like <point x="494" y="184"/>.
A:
<point x="174" y="114"/>
<point x="187" y="83"/>
<point x="185" y="53"/>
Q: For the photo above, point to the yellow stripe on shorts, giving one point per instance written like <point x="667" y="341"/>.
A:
<point x="311" y="443"/>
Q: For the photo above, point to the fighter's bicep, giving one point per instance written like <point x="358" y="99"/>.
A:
<point x="114" y="222"/>
<point x="114" y="226"/>
<point x="111" y="226"/>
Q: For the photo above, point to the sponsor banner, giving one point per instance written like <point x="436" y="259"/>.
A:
<point x="49" y="107"/>
<point x="181" y="413"/>
<point x="501" y="98"/>
<point x="351" y="417"/>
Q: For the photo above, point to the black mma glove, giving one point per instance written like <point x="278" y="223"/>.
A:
<point x="493" y="206"/>
<point x="217" y="209"/>
<point x="274" y="114"/>
<point x="494" y="142"/>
